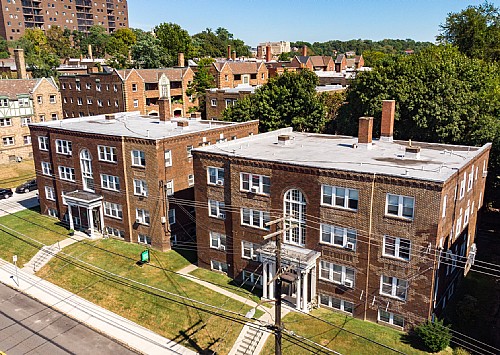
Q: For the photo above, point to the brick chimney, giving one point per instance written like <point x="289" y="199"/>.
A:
<point x="228" y="51"/>
<point x="304" y="51"/>
<point x="259" y="52"/>
<point x="365" y="132"/>
<point x="164" y="109"/>
<point x="233" y="55"/>
<point x="387" y="126"/>
<point x="20" y="63"/>
<point x="180" y="60"/>
<point x="269" y="55"/>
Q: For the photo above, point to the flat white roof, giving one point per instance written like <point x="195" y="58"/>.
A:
<point x="132" y="124"/>
<point x="437" y="162"/>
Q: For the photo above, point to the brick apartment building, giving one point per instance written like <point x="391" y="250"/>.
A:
<point x="17" y="16"/>
<point x="24" y="101"/>
<point x="115" y="174"/>
<point x="112" y="91"/>
<point x="217" y="100"/>
<point x="230" y="74"/>
<point x="380" y="224"/>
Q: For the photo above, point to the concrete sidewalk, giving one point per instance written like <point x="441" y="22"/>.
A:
<point x="115" y="326"/>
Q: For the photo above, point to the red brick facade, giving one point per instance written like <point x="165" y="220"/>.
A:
<point x="230" y="74"/>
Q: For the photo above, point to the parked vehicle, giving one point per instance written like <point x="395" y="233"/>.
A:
<point x="5" y="192"/>
<point x="27" y="186"/>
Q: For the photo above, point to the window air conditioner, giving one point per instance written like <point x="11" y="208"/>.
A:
<point x="349" y="246"/>
<point x="163" y="220"/>
<point x="485" y="173"/>
<point x="254" y="189"/>
<point x="255" y="257"/>
<point x="219" y="182"/>
<point x="222" y="247"/>
<point x="348" y="283"/>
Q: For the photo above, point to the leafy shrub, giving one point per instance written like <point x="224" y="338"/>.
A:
<point x="460" y="351"/>
<point x="435" y="335"/>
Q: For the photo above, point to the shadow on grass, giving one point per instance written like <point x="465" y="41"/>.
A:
<point x="189" y="255"/>
<point x="412" y="339"/>
<point x="187" y="336"/>
<point x="250" y="288"/>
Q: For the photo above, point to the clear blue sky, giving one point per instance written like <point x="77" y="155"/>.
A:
<point x="256" y="21"/>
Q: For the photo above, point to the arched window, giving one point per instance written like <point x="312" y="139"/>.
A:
<point x="86" y="166"/>
<point x="295" y="213"/>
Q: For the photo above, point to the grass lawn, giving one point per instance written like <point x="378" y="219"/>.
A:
<point x="339" y="340"/>
<point x="179" y="320"/>
<point x="32" y="224"/>
<point x="229" y="284"/>
<point x="14" y="174"/>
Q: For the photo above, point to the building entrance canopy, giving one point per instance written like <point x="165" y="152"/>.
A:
<point x="295" y="257"/>
<point x="93" y="210"/>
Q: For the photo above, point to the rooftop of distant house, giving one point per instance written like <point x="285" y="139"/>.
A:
<point x="437" y="162"/>
<point x="134" y="125"/>
<point x="251" y="89"/>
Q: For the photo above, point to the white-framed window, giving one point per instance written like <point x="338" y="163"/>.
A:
<point x="466" y="214"/>
<point x="25" y="121"/>
<point x="5" y="122"/>
<point x="171" y="216"/>
<point x="259" y="184"/>
<point x="251" y="278"/>
<point x="107" y="153"/>
<point x="445" y="202"/>
<point x="138" y="158"/>
<point x="7" y="141"/>
<point x="99" y="102"/>
<point x="24" y="102"/>
<point x="336" y="303"/>
<point x="218" y="266"/>
<point x="27" y="140"/>
<point x="4" y="102"/>
<point x="110" y="182"/>
<point x="391" y="318"/>
<point x="43" y="143"/>
<point x="337" y="273"/>
<point x="88" y="86"/>
<point x="52" y="212"/>
<point x="190" y="179"/>
<point x="115" y="87"/>
<point x="396" y="248"/>
<point x="134" y="87"/>
<point x="46" y="168"/>
<point x="400" y="206"/>
<point x="339" y="197"/>
<point x="217" y="241"/>
<point x="54" y="116"/>
<point x="52" y="99"/>
<point x="144" y="239"/>
<point x="255" y="218"/>
<point x="295" y="209"/>
<point x="169" y="188"/>
<point x="471" y="179"/>
<point x="393" y="287"/>
<point x="114" y="232"/>
<point x="338" y="236"/>
<point x="89" y="101"/>
<point x="213" y="102"/>
<point x="168" y="157"/>
<point x="189" y="148"/>
<point x="66" y="173"/>
<point x="140" y="187"/>
<point x="216" y="209"/>
<point x="63" y="147"/>
<point x="79" y="101"/>
<point x="49" y="193"/>
<point x="136" y="103"/>
<point x="228" y="102"/>
<point x="215" y="175"/>
<point x="142" y="216"/>
<point x="98" y="87"/>
<point x="462" y="186"/>
<point x="39" y="98"/>
<point x="113" y="210"/>
<point x="248" y="250"/>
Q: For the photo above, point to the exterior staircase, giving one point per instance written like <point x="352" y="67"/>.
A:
<point x="251" y="339"/>
<point x="41" y="258"/>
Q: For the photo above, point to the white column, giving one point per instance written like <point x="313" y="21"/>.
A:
<point x="313" y="283"/>
<point x="297" y="291"/>
<point x="304" y="292"/>
<point x="90" y="218"/>
<point x="101" y="216"/>
<point x="70" y="215"/>
<point x="271" y="285"/>
<point x="264" y="280"/>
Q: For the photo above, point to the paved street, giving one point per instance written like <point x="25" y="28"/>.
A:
<point x="29" y="327"/>
<point x="18" y="202"/>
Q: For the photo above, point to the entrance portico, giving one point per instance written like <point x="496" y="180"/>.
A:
<point x="298" y="273"/>
<point x="92" y="207"/>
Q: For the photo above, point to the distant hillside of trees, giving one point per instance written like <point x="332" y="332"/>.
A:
<point x="386" y="46"/>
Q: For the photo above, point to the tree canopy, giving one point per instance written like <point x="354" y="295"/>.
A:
<point x="287" y="100"/>
<point x="173" y="39"/>
<point x="208" y="43"/>
<point x="441" y="95"/>
<point x="475" y="31"/>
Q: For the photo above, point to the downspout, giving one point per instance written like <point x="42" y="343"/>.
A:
<point x="369" y="245"/>
<point x="125" y="175"/>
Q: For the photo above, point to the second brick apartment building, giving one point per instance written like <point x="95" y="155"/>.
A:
<point x="125" y="175"/>
<point x="384" y="228"/>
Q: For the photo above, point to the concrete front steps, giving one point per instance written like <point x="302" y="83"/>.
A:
<point x="249" y="339"/>
<point x="41" y="258"/>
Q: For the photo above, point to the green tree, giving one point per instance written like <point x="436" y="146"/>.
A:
<point x="119" y="47"/>
<point x="202" y="81"/>
<point x="435" y="335"/>
<point x="39" y="56"/>
<point x="373" y="58"/>
<point x="98" y="38"/>
<point x="4" y="48"/>
<point x="475" y="31"/>
<point x="442" y="96"/>
<point x="287" y="100"/>
<point x="147" y="51"/>
<point x="173" y="39"/>
<point x="59" y="42"/>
